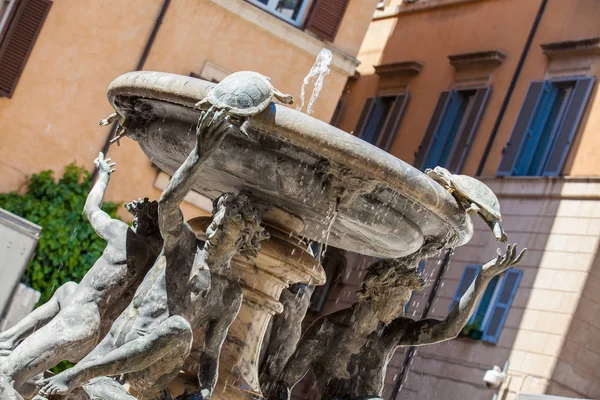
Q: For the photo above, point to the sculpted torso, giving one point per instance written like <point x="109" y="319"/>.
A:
<point x="112" y="282"/>
<point x="343" y="342"/>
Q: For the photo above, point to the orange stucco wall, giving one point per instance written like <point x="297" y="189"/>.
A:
<point x="430" y="35"/>
<point x="52" y="119"/>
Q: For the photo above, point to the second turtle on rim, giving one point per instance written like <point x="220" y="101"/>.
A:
<point x="474" y="196"/>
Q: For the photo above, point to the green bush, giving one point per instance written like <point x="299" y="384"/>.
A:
<point x="68" y="245"/>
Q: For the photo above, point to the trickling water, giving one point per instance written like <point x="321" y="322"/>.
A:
<point x="318" y="72"/>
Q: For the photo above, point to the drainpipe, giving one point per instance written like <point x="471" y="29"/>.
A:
<point x="413" y="349"/>
<point x="139" y="67"/>
<point x="511" y="87"/>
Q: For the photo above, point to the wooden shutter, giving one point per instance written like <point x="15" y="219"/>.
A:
<point x="501" y="305"/>
<point x="364" y="116"/>
<point x="325" y="18"/>
<point x="431" y="128"/>
<point x="392" y="123"/>
<point x="521" y="128"/>
<point x="467" y="278"/>
<point x="444" y="126"/>
<point x="569" y="126"/>
<point x="20" y="37"/>
<point x="468" y="128"/>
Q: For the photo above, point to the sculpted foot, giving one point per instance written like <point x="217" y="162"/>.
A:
<point x="61" y="384"/>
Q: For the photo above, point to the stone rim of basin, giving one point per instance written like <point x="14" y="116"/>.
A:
<point x="429" y="211"/>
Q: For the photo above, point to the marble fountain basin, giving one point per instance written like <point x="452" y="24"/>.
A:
<point x="304" y="175"/>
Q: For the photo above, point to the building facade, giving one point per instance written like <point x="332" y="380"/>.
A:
<point x="504" y="90"/>
<point x="58" y="57"/>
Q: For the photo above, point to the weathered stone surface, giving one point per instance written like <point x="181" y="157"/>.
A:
<point x="347" y="192"/>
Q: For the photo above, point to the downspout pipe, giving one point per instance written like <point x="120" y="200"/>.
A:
<point x="140" y="65"/>
<point x="410" y="353"/>
<point x="511" y="87"/>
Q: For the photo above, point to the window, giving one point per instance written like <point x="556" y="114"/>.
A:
<point x="7" y="8"/>
<point x="487" y="321"/>
<point x="380" y="119"/>
<point x="20" y="25"/>
<point x="545" y="127"/>
<point x="451" y="129"/>
<point x="292" y="11"/>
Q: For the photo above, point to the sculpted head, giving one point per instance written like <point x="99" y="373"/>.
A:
<point x="388" y="288"/>
<point x="235" y="228"/>
<point x="388" y="284"/>
<point x="145" y="216"/>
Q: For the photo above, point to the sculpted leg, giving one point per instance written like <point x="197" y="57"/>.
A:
<point x="37" y="318"/>
<point x="135" y="355"/>
<point x="57" y="341"/>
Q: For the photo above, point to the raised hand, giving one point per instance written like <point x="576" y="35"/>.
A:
<point x="105" y="166"/>
<point x="212" y="129"/>
<point x="503" y="262"/>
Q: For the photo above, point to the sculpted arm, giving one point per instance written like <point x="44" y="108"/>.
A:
<point x="211" y="130"/>
<point x="429" y="331"/>
<point x="101" y="222"/>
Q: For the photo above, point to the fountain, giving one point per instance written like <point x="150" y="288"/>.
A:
<point x="307" y="179"/>
<point x="301" y="181"/>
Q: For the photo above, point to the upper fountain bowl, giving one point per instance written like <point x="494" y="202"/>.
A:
<point x="331" y="186"/>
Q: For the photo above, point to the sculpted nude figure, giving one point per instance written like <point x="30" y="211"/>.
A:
<point x="78" y="316"/>
<point x="349" y="350"/>
<point x="191" y="284"/>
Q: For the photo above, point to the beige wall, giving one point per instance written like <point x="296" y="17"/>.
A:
<point x="52" y="119"/>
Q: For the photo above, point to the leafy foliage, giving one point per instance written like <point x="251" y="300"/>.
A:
<point x="68" y="245"/>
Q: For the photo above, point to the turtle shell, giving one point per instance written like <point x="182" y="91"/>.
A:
<point x="242" y="93"/>
<point x="478" y="192"/>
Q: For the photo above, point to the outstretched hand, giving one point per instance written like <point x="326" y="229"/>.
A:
<point x="503" y="262"/>
<point x="212" y="129"/>
<point x="105" y="166"/>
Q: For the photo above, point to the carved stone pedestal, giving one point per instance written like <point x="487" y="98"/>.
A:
<point x="282" y="261"/>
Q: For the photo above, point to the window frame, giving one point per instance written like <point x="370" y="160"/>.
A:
<point x="5" y="18"/>
<point x="528" y="125"/>
<point x="492" y="305"/>
<point x="390" y="125"/>
<point x="272" y="4"/>
<point x="443" y="125"/>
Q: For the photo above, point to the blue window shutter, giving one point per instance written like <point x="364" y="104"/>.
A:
<point x="537" y="126"/>
<point x="440" y="138"/>
<point x="468" y="129"/>
<point x="364" y="116"/>
<point x="484" y="303"/>
<point x="468" y="276"/>
<point x="392" y="122"/>
<point x="431" y="128"/>
<point x="501" y="305"/>
<point x="522" y="125"/>
<point x="570" y="124"/>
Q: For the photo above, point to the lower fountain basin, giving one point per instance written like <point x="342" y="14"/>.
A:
<point x="332" y="186"/>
